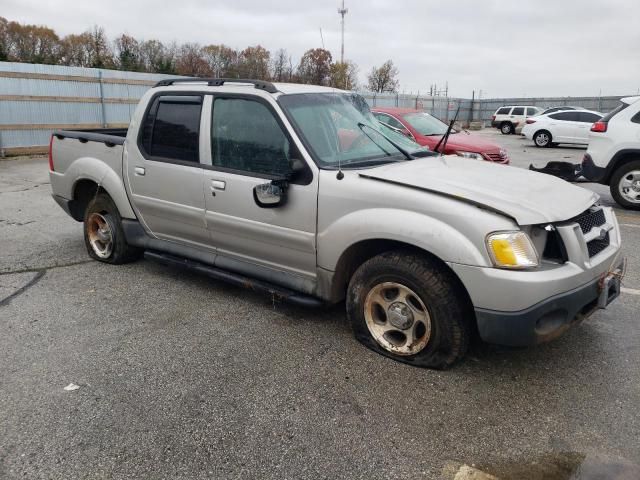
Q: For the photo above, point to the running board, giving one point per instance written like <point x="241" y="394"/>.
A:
<point x="236" y="279"/>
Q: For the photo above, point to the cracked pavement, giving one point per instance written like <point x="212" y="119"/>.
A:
<point x="182" y="377"/>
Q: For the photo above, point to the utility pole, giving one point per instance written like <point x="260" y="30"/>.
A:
<point x="342" y="11"/>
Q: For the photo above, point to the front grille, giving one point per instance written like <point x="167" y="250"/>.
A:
<point x="591" y="219"/>
<point x="594" y="247"/>
<point x="496" y="157"/>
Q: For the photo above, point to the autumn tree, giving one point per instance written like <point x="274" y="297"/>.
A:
<point x="75" y="50"/>
<point x="222" y="60"/>
<point x="315" y="66"/>
<point x="191" y="61"/>
<point x="254" y="63"/>
<point x="4" y="47"/>
<point x="128" y="55"/>
<point x="98" y="50"/>
<point x="344" y="75"/>
<point x="384" y="78"/>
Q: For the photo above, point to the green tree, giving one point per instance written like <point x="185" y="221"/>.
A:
<point x="315" y="67"/>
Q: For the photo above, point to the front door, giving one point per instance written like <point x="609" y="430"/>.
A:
<point x="164" y="174"/>
<point x="250" y="146"/>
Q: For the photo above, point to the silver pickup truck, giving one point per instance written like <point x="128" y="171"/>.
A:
<point x="297" y="190"/>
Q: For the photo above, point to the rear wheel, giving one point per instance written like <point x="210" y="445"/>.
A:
<point x="506" y="128"/>
<point x="410" y="308"/>
<point x="542" y="139"/>
<point x="103" y="234"/>
<point x="625" y="185"/>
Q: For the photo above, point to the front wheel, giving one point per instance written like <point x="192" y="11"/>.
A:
<point x="625" y="185"/>
<point x="103" y="234"/>
<point x="408" y="307"/>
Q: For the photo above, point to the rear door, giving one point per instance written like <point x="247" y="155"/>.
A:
<point x="249" y="146"/>
<point x="164" y="173"/>
<point x="564" y="127"/>
<point x="586" y="119"/>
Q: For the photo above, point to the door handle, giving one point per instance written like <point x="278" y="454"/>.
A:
<point x="139" y="171"/>
<point x="218" y="184"/>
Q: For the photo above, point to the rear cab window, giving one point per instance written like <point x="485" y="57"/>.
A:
<point x="171" y="129"/>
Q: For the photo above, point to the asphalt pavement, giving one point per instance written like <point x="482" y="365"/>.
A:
<point x="182" y="377"/>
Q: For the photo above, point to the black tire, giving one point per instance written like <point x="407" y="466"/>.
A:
<point x="506" y="128"/>
<point x="120" y="251"/>
<point x="542" y="139"/>
<point x="614" y="185"/>
<point x="445" y="300"/>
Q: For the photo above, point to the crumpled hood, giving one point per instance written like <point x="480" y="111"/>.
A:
<point x="526" y="196"/>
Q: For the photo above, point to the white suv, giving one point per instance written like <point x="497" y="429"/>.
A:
<point x="510" y="118"/>
<point x="613" y="156"/>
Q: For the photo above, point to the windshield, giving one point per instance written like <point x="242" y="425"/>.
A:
<point x="339" y="128"/>
<point x="425" y="124"/>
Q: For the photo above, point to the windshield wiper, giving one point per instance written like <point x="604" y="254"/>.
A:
<point x="398" y="147"/>
<point x="446" y="135"/>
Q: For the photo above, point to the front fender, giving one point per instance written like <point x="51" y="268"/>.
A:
<point x="88" y="168"/>
<point x="413" y="228"/>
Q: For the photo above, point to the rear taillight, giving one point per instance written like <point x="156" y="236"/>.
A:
<point x="530" y="121"/>
<point x="493" y="117"/>
<point x="599" y="127"/>
<point x="51" y="154"/>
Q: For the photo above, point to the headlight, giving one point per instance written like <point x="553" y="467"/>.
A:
<point x="512" y="250"/>
<point x="474" y="155"/>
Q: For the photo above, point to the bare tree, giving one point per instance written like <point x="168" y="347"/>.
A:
<point x="383" y="79"/>
<point x="281" y="68"/>
<point x="254" y="63"/>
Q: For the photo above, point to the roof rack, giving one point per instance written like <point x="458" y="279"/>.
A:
<point x="218" y="82"/>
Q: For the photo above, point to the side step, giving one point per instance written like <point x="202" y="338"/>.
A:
<point x="236" y="279"/>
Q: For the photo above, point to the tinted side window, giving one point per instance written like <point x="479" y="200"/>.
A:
<point x="587" y="117"/>
<point x="503" y="111"/>
<point x="518" y="111"/>
<point x="636" y="118"/>
<point x="566" y="116"/>
<point x="171" y="128"/>
<point x="246" y="136"/>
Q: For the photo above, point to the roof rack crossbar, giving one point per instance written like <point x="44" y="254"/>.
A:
<point x="217" y="82"/>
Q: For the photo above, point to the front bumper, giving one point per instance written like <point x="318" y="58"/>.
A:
<point x="549" y="318"/>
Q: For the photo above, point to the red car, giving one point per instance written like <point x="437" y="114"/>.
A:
<point x="428" y="130"/>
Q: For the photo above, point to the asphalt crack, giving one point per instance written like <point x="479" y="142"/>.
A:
<point x="45" y="269"/>
<point x="40" y="273"/>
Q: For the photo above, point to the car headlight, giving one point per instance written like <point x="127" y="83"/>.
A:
<point x="512" y="250"/>
<point x="474" y="155"/>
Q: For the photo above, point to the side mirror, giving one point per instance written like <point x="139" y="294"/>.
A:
<point x="272" y="194"/>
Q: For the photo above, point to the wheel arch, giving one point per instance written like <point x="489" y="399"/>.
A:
<point x="359" y="252"/>
<point x="620" y="159"/>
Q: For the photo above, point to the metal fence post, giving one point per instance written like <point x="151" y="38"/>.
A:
<point x="102" y="111"/>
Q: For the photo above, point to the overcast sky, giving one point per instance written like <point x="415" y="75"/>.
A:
<point x="502" y="47"/>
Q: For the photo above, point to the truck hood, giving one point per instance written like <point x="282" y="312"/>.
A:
<point x="527" y="197"/>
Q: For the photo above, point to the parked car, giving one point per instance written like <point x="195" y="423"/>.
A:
<point x="427" y="130"/>
<point x="249" y="182"/>
<point x="557" y="109"/>
<point x="613" y="156"/>
<point x="565" y="126"/>
<point x="510" y="118"/>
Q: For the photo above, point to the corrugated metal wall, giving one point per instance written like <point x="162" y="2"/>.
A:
<point x="36" y="99"/>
